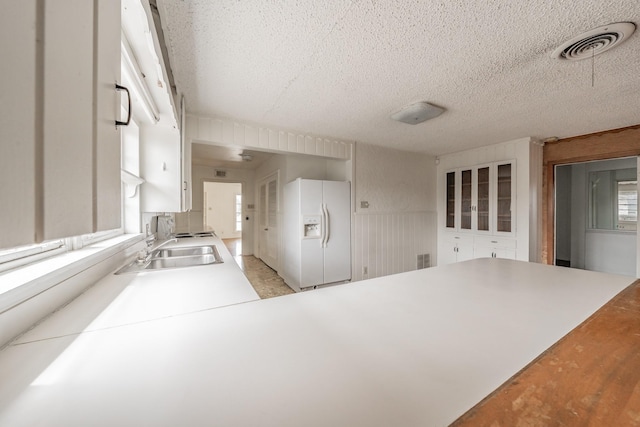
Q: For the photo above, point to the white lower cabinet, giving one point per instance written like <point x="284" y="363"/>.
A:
<point x="494" y="247"/>
<point x="458" y="247"/>
<point x="461" y="247"/>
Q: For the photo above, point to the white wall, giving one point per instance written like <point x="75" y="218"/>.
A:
<point x="400" y="222"/>
<point x="598" y="250"/>
<point x="220" y="208"/>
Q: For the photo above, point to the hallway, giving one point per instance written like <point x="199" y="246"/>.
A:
<point x="264" y="280"/>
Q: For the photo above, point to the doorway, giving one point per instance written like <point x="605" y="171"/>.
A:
<point x="596" y="215"/>
<point x="268" y="220"/>
<point x="222" y="209"/>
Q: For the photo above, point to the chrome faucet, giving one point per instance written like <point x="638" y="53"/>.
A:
<point x="145" y="254"/>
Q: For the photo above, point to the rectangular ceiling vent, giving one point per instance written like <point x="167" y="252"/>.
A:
<point x="221" y="173"/>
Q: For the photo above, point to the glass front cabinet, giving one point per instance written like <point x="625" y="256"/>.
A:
<point x="481" y="199"/>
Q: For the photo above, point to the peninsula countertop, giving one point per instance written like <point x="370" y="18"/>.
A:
<point x="412" y="349"/>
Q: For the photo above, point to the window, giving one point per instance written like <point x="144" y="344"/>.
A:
<point x="613" y="200"/>
<point x="627" y="192"/>
<point x="238" y="212"/>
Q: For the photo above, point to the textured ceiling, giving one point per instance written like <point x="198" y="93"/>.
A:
<point x="340" y="68"/>
<point x="227" y="157"/>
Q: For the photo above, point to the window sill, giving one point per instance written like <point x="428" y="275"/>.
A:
<point x="23" y="283"/>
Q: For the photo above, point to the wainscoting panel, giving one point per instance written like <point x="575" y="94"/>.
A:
<point x="389" y="243"/>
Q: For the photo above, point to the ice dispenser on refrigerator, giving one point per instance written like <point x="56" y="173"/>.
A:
<point x="312" y="226"/>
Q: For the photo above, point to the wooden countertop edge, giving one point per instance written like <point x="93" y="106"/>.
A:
<point x="589" y="377"/>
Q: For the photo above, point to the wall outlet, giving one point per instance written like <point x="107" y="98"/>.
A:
<point x="365" y="271"/>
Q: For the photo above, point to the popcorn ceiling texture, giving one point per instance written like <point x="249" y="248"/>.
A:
<point x="340" y="68"/>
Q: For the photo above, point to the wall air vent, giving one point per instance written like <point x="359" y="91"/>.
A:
<point x="594" y="42"/>
<point x="423" y="261"/>
<point x="221" y="173"/>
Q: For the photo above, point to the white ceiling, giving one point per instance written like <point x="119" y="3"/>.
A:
<point x="218" y="156"/>
<point x="340" y="68"/>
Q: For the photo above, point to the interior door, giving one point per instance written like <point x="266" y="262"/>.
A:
<point x="268" y="221"/>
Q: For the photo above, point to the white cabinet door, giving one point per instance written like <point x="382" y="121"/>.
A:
<point x="55" y="166"/>
<point x="464" y="251"/>
<point x="505" y="198"/>
<point x="455" y="248"/>
<point x="165" y="158"/>
<point x="108" y="187"/>
<point x="160" y="167"/>
<point x="186" y="159"/>
<point x="481" y="199"/>
<point x="447" y="255"/>
<point x="18" y="116"/>
<point x="67" y="127"/>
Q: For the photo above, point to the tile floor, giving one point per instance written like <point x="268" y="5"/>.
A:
<point x="264" y="280"/>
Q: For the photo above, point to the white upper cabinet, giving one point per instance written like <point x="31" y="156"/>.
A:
<point x="58" y="136"/>
<point x="160" y="167"/>
<point x="479" y="214"/>
<point x="18" y="33"/>
<point x="186" y="159"/>
<point x="480" y="199"/>
<point x="108" y="187"/>
<point x="165" y="155"/>
<point x="67" y="206"/>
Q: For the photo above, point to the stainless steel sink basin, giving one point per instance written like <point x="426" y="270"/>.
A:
<point x="175" y="258"/>
<point x="181" y="261"/>
<point x="185" y="251"/>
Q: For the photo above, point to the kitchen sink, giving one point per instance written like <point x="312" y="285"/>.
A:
<point x="186" y="251"/>
<point x="181" y="261"/>
<point x="188" y="256"/>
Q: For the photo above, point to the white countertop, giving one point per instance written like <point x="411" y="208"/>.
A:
<point x="413" y="349"/>
<point x="121" y="299"/>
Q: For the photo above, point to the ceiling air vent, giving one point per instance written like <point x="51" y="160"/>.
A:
<point x="417" y="113"/>
<point x="221" y="173"/>
<point x="594" y="42"/>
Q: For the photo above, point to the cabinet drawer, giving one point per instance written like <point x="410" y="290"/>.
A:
<point x="495" y="242"/>
<point x="459" y="238"/>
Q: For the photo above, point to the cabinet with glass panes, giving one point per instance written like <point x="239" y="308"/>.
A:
<point x="480" y="198"/>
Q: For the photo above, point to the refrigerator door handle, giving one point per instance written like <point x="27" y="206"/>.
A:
<point x="324" y="225"/>
<point x="327" y="220"/>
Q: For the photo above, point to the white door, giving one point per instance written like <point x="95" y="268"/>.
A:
<point x="268" y="221"/>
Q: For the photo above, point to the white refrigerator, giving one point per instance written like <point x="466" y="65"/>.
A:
<point x="317" y="233"/>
